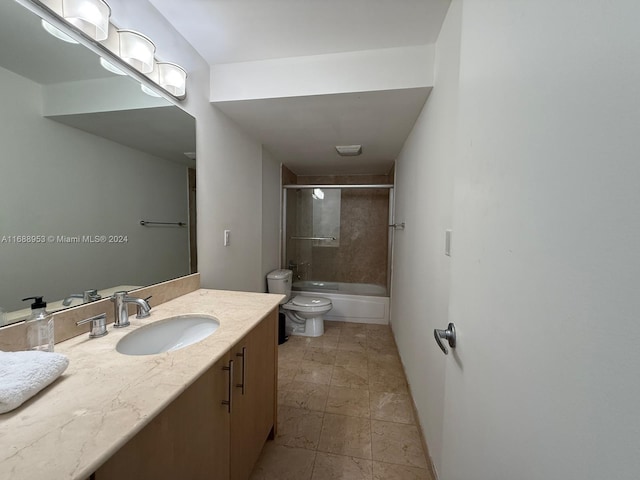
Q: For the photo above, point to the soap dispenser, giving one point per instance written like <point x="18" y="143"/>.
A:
<point x="39" y="326"/>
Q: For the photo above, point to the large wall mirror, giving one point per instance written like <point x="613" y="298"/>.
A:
<point x="85" y="155"/>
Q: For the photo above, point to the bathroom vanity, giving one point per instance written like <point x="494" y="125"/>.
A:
<point x="203" y="411"/>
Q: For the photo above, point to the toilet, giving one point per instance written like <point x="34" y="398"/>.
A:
<point x="303" y="314"/>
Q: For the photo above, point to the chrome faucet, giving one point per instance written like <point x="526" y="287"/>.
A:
<point x="87" y="296"/>
<point x="120" y="304"/>
<point x="98" y="325"/>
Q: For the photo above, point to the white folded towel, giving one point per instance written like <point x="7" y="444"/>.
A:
<point x="23" y="374"/>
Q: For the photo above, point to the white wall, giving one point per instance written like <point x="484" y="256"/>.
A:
<point x="546" y="250"/>
<point x="363" y="71"/>
<point x="57" y="180"/>
<point x="271" y="213"/>
<point x="424" y="200"/>
<point x="229" y="163"/>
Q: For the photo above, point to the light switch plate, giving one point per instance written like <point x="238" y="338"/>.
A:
<point x="227" y="238"/>
<point x="447" y="243"/>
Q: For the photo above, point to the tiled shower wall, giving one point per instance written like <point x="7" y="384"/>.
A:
<point x="362" y="254"/>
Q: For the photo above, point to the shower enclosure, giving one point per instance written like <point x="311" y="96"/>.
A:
<point x="337" y="240"/>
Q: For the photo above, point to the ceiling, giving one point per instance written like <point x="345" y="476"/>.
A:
<point x="228" y="31"/>
<point x="302" y="132"/>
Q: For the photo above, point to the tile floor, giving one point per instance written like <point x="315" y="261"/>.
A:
<point x="344" y="410"/>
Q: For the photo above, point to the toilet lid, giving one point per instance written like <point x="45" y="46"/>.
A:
<point x="303" y="301"/>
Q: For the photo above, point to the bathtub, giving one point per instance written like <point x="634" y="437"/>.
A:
<point x="352" y="302"/>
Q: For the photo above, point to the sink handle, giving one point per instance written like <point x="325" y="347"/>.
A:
<point x="98" y="325"/>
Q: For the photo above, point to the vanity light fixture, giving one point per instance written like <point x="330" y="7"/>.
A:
<point x="136" y="49"/>
<point x="172" y="78"/>
<point x="121" y="51"/>
<point x="349" y="150"/>
<point x="148" y="91"/>
<point x="107" y="65"/>
<point x="89" y="16"/>
<point x="154" y="76"/>
<point x="56" y="32"/>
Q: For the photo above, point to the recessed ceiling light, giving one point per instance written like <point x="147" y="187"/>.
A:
<point x="349" y="150"/>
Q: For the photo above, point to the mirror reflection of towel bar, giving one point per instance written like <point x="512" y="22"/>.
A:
<point x="144" y="223"/>
<point x="313" y="238"/>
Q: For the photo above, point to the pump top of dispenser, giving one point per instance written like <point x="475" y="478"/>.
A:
<point x="38" y="303"/>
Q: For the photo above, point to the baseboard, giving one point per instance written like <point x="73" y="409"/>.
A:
<point x="423" y="440"/>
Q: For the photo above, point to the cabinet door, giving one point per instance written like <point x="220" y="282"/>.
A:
<point x="253" y="417"/>
<point x="188" y="439"/>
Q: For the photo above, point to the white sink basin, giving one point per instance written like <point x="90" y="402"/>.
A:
<point x="167" y="335"/>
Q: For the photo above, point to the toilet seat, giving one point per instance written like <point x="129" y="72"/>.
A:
<point x="310" y="301"/>
<point x="301" y="303"/>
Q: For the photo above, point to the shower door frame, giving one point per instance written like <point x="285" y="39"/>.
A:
<point x="389" y="186"/>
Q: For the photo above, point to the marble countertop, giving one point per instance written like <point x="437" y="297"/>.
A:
<point x="104" y="398"/>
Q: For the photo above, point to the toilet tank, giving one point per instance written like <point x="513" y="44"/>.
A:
<point x="279" y="281"/>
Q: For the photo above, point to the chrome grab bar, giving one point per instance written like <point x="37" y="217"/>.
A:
<point x="312" y="238"/>
<point x="144" y="223"/>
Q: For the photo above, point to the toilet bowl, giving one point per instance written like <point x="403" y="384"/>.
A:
<point x="303" y="314"/>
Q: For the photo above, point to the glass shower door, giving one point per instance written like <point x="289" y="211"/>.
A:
<point x="336" y="237"/>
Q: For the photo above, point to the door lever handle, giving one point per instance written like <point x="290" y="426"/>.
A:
<point x="449" y="334"/>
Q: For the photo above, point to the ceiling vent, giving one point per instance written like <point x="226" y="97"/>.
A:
<point x="349" y="150"/>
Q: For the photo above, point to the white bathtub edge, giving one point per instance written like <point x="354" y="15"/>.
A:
<point x="354" y="308"/>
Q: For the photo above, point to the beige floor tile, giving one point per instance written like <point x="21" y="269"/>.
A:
<point x="339" y="467"/>
<point x="314" y="372"/>
<point x="354" y="359"/>
<point x="388" y="471"/>
<point x="350" y="345"/>
<point x="350" y="376"/>
<point x="332" y="328"/>
<point x="310" y="396"/>
<point x="328" y="386"/>
<point x="378" y="361"/>
<point x="354" y="327"/>
<point x="376" y="328"/>
<point x="348" y="401"/>
<point x="298" y="427"/>
<point x="323" y="341"/>
<point x="391" y="407"/>
<point x="385" y="383"/>
<point x="396" y="443"/>
<point x="290" y="355"/>
<point x="380" y="334"/>
<point x="344" y="435"/>
<point x="326" y="356"/>
<point x="375" y="345"/>
<point x="296" y="341"/>
<point x="288" y="370"/>
<point x="279" y="462"/>
<point x="353" y="335"/>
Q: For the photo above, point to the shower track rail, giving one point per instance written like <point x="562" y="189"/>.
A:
<point x="382" y="185"/>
